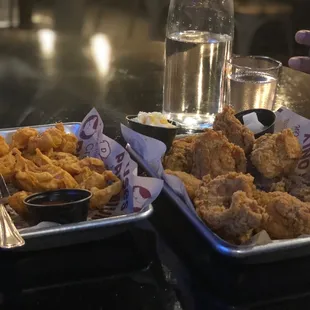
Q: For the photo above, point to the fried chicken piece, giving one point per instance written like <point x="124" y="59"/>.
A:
<point x="32" y="178"/>
<point x="277" y="154"/>
<point x="280" y="186"/>
<point x="296" y="185"/>
<point x="4" y="147"/>
<point x="302" y="193"/>
<point x="218" y="191"/>
<point x="190" y="182"/>
<point x="227" y="206"/>
<point x="286" y="216"/>
<point x="180" y="156"/>
<point x="7" y="166"/>
<point x="16" y="201"/>
<point x="232" y="128"/>
<point x="21" y="137"/>
<point x="213" y="154"/>
<point x="237" y="223"/>
<point x="53" y="138"/>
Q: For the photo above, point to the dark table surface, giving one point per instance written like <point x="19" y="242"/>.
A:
<point x="42" y="81"/>
<point x="38" y="88"/>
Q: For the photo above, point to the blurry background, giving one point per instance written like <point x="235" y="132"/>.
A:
<point x="262" y="26"/>
<point x="58" y="58"/>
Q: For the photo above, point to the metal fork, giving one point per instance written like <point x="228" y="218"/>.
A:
<point x="9" y="234"/>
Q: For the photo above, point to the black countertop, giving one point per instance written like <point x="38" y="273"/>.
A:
<point x="38" y="89"/>
<point x="44" y="81"/>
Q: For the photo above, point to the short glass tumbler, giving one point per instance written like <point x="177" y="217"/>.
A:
<point x="252" y="82"/>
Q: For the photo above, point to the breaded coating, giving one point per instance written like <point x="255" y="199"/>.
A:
<point x="213" y="154"/>
<point x="16" y="202"/>
<point x="227" y="206"/>
<point x="7" y="166"/>
<point x="286" y="216"/>
<point x="190" y="182"/>
<point x="53" y="139"/>
<point x="277" y="154"/>
<point x="94" y="164"/>
<point x="20" y="138"/>
<point x="180" y="156"/>
<point x="4" y="147"/>
<point x="232" y="128"/>
<point x="102" y="196"/>
<point x="31" y="178"/>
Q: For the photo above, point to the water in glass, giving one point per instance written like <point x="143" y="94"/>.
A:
<point x="195" y="59"/>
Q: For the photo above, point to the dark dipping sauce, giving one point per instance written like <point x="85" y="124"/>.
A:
<point x="62" y="206"/>
<point x="55" y="203"/>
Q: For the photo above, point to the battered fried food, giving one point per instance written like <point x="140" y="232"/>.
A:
<point x="100" y="181"/>
<point x="277" y="154"/>
<point x="102" y="196"/>
<point x="7" y="166"/>
<point x="228" y="207"/>
<point x="53" y="138"/>
<point x="295" y="185"/>
<point x="36" y="162"/>
<point x="84" y="174"/>
<point x="286" y="216"/>
<point x="32" y="178"/>
<point x="69" y="141"/>
<point x="213" y="154"/>
<point x="232" y="128"/>
<point x="180" y="156"/>
<point x="66" y="161"/>
<point x="190" y="182"/>
<point x="4" y="147"/>
<point x="218" y="191"/>
<point x="38" y="158"/>
<point x="16" y="201"/>
<point x="94" y="164"/>
<point x="21" y="137"/>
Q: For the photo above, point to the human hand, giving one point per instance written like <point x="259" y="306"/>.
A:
<point x="301" y="63"/>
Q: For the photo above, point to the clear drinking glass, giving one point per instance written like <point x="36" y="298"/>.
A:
<point x="252" y="82"/>
<point x="198" y="44"/>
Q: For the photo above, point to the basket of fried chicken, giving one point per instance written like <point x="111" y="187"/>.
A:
<point x="241" y="186"/>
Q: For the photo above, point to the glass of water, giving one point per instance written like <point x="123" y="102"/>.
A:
<point x="252" y="82"/>
<point x="198" y="44"/>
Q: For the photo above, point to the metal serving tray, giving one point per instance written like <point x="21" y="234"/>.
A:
<point x="63" y="235"/>
<point x="286" y="249"/>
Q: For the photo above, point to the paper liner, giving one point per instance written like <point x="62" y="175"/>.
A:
<point x="137" y="192"/>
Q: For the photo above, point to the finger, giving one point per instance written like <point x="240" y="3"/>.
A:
<point x="301" y="63"/>
<point x="303" y="37"/>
